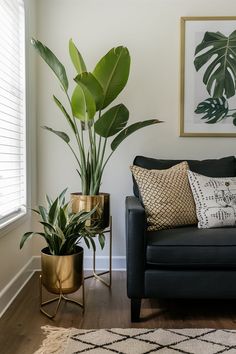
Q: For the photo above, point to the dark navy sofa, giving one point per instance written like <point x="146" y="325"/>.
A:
<point x="185" y="262"/>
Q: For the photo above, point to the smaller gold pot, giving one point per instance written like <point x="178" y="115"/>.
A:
<point x="62" y="274"/>
<point x="81" y="202"/>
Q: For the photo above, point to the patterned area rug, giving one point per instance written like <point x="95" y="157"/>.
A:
<point x="138" y="341"/>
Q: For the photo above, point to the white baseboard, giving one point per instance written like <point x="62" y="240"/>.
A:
<point x="9" y="293"/>
<point x="102" y="263"/>
<point x="12" y="289"/>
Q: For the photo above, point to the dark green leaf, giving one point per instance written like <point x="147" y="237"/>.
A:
<point x="220" y="52"/>
<point x="113" y="121"/>
<point x="89" y="81"/>
<point x="87" y="215"/>
<point x="112" y="72"/>
<point x="49" y="201"/>
<point x="83" y="104"/>
<point x="53" y="212"/>
<point x="76" y="58"/>
<point x="61" y="135"/>
<point x="25" y="237"/>
<point x="49" y="226"/>
<point x="234" y="120"/>
<point x="56" y="244"/>
<point x="62" y="196"/>
<point x="101" y="239"/>
<point x="28" y="235"/>
<point x="130" y="130"/>
<point x="214" y="109"/>
<point x="69" y="120"/>
<point x="50" y="58"/>
<point x="92" y="242"/>
<point x="35" y="211"/>
<point x="43" y="213"/>
<point x="62" y="220"/>
<point x="87" y="242"/>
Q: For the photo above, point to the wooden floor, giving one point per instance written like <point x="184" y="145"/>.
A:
<point x="20" y="331"/>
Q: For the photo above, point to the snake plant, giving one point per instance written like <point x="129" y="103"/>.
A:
<point x="87" y="113"/>
<point x="62" y="229"/>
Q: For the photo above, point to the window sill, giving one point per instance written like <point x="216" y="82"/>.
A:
<point x="13" y="223"/>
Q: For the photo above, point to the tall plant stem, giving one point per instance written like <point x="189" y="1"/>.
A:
<point x="99" y="169"/>
<point x="82" y="165"/>
<point x="105" y="163"/>
<point x="100" y="139"/>
<point x="75" y="156"/>
<point x="93" y="159"/>
<point x="103" y="152"/>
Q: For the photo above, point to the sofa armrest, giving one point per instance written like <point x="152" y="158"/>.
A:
<point x="136" y="225"/>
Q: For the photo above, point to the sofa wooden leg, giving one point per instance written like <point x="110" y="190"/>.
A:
<point x="135" y="310"/>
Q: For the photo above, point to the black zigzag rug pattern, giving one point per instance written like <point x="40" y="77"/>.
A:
<point x="139" y="341"/>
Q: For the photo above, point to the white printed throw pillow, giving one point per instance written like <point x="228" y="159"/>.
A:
<point x="215" y="200"/>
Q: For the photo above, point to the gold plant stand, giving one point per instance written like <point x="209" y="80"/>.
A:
<point x="59" y="299"/>
<point x="99" y="276"/>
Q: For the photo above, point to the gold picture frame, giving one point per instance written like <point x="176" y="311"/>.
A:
<point x="209" y="115"/>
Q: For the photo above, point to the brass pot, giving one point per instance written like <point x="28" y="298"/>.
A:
<point x="88" y="202"/>
<point x="62" y="273"/>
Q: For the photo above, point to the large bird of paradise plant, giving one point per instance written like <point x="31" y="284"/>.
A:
<point x="87" y="111"/>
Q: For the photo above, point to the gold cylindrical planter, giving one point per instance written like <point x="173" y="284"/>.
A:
<point x="88" y="202"/>
<point x="62" y="274"/>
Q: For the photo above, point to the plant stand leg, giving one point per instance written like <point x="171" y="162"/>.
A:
<point x="109" y="271"/>
<point x="58" y="299"/>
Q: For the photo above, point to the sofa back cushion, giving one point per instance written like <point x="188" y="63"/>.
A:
<point x="224" y="167"/>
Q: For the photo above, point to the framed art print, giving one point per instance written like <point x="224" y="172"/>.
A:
<point x="208" y="76"/>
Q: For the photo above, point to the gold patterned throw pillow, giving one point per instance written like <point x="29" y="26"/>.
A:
<point x="167" y="196"/>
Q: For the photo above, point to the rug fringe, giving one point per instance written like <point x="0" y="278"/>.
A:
<point x="56" y="340"/>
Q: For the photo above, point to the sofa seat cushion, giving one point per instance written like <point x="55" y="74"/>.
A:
<point x="192" y="247"/>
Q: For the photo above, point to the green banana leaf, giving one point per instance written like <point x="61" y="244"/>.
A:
<point x="82" y="103"/>
<point x="52" y="61"/>
<point x="112" y="121"/>
<point x="61" y="135"/>
<point x="112" y="72"/>
<point x="92" y="84"/>
<point x="62" y="108"/>
<point x="220" y="75"/>
<point x="130" y="130"/>
<point x="215" y="109"/>
<point x="76" y="58"/>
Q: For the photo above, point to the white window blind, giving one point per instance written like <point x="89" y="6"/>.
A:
<point x="12" y="111"/>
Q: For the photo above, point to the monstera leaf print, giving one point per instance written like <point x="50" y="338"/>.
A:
<point x="214" y="109"/>
<point x="219" y="51"/>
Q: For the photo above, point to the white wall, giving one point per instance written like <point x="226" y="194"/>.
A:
<point x="12" y="260"/>
<point x="150" y="29"/>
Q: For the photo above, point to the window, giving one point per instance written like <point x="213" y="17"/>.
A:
<point x="12" y="111"/>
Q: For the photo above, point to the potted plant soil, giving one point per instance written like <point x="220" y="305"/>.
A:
<point x="96" y="127"/>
